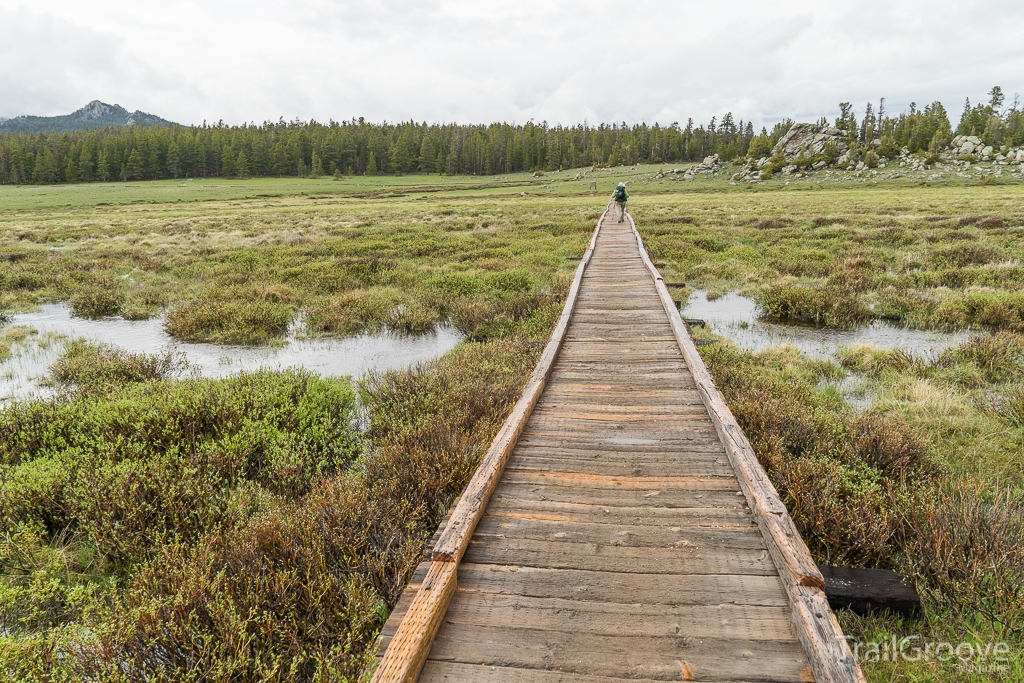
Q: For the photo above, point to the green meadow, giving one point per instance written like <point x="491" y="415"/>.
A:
<point x="162" y="526"/>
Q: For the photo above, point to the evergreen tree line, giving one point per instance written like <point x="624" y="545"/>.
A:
<point x="355" y="147"/>
<point x="358" y="147"/>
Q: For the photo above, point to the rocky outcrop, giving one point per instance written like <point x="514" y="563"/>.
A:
<point x="808" y="140"/>
<point x="710" y="164"/>
<point x="811" y="149"/>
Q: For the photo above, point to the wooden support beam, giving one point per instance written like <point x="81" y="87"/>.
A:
<point x="831" y="659"/>
<point x="869" y="590"/>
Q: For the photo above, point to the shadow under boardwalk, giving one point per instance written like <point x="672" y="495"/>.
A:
<point x="618" y="544"/>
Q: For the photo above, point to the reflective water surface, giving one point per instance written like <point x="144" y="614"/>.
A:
<point x="736" y="318"/>
<point x="20" y="374"/>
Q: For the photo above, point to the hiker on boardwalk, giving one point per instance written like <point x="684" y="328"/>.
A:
<point x="619" y="197"/>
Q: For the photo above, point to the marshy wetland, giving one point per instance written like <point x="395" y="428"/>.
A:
<point x="259" y="525"/>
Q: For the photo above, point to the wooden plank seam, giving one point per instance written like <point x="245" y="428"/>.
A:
<point x="819" y="632"/>
<point x="407" y="653"/>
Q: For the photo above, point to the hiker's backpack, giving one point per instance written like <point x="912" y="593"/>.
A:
<point x="620" y="194"/>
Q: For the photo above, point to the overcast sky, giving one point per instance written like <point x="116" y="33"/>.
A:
<point x="480" y="60"/>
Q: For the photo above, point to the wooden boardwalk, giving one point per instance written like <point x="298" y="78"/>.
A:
<point x="617" y="530"/>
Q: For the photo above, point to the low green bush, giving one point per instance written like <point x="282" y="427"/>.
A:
<point x="242" y="314"/>
<point x="239" y="525"/>
<point x="88" y="366"/>
<point x="830" y="307"/>
<point x="101" y="296"/>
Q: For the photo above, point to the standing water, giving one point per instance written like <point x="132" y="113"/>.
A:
<point x="736" y="318"/>
<point x="21" y="374"/>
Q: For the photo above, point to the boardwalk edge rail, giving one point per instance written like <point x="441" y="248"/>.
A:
<point x="819" y="632"/>
<point x="407" y="653"/>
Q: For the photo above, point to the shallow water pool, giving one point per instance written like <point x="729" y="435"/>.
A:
<point x="20" y="375"/>
<point x="736" y="318"/>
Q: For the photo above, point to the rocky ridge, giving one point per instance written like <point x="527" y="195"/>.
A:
<point x="96" y="114"/>
<point x="808" y="148"/>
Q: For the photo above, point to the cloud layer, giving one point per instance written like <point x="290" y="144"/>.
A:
<point x="483" y="60"/>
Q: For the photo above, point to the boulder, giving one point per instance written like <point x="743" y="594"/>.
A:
<point x="709" y="165"/>
<point x="808" y="140"/>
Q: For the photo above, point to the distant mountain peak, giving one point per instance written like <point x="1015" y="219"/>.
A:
<point x="97" y="110"/>
<point x="96" y="114"/>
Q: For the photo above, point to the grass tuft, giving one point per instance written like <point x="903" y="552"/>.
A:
<point x="241" y="314"/>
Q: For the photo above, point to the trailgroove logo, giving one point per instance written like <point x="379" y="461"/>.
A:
<point x="969" y="657"/>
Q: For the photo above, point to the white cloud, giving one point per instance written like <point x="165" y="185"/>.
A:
<point x="486" y="60"/>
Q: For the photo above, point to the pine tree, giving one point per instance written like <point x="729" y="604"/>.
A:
<point x="174" y="159"/>
<point x="996" y="98"/>
<point x="133" y="169"/>
<point x="71" y="171"/>
<point x="154" y="167"/>
<point x="427" y="161"/>
<point x="371" y="165"/>
<point x="242" y="165"/>
<point x="45" y="171"/>
<point x="399" y="157"/>
<point x="85" y="166"/>
<point x="228" y="160"/>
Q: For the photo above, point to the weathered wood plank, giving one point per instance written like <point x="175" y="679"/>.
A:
<point x="668" y="657"/>
<point x="662" y="589"/>
<point x="408" y="649"/>
<point x="711" y="517"/>
<point x="869" y="590"/>
<point x="619" y="482"/>
<point x="449" y="672"/>
<point x="606" y="558"/>
<point x="510" y="494"/>
<point x="639" y="465"/>
<point x="634" y="535"/>
<point x="730" y="622"/>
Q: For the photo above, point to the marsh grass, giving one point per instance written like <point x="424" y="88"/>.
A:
<point x="11" y="338"/>
<point x="241" y="314"/>
<point x="240" y="535"/>
<point x="98" y="297"/>
<point x="89" y="367"/>
<point x="826" y="307"/>
<point x="945" y="260"/>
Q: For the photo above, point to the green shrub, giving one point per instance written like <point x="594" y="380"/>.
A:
<point x="362" y="310"/>
<point x="242" y="314"/>
<point x="828" y="307"/>
<point x="999" y="357"/>
<point x="89" y="366"/>
<point x="299" y="591"/>
<point x="99" y="297"/>
<point x="979" y="307"/>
